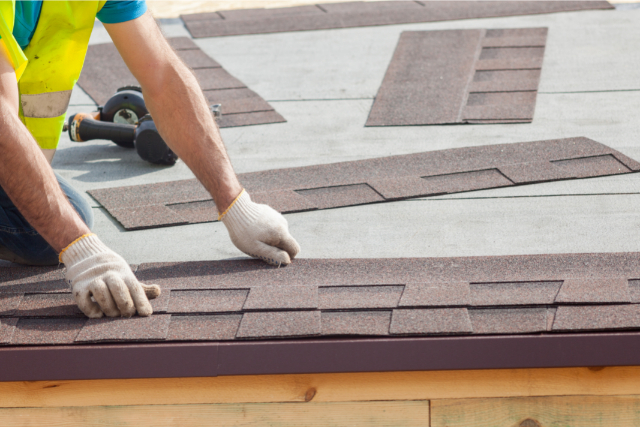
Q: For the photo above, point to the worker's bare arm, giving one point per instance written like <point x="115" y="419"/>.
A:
<point x="25" y="174"/>
<point x="175" y="100"/>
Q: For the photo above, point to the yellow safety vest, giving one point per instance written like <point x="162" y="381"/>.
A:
<point x="50" y="66"/>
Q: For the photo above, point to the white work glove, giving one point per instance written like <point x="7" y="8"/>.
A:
<point x="94" y="270"/>
<point x="259" y="231"/>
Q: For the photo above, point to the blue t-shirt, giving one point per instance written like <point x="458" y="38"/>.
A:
<point x="113" y="12"/>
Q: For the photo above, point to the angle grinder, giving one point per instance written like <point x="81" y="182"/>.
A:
<point x="125" y="120"/>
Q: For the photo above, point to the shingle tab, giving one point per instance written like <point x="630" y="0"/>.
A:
<point x="435" y="294"/>
<point x="47" y="331"/>
<point x="434" y="321"/>
<point x="150" y="216"/>
<point x="594" y="290"/>
<point x="591" y="166"/>
<point x="152" y="328"/>
<point x="182" y="43"/>
<point x="592" y="318"/>
<point x="207" y="301"/>
<point x="49" y="305"/>
<point x="7" y="328"/>
<point x="160" y="304"/>
<point x="343" y="195"/>
<point x="9" y="303"/>
<point x="514" y="293"/>
<point x="356" y="322"/>
<point x="279" y="324"/>
<point x="509" y="320"/>
<point x="350" y="297"/>
<point x="204" y="328"/>
<point x="282" y="297"/>
<point x="195" y="58"/>
<point x="16" y="280"/>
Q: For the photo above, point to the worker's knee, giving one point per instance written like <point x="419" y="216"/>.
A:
<point x="27" y="248"/>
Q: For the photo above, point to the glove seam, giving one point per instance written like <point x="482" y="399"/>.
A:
<point x="71" y="244"/>
<point x="222" y="215"/>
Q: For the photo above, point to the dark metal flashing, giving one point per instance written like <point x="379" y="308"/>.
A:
<point x="211" y="359"/>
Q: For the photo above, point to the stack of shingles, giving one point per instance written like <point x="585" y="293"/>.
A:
<point x="105" y="71"/>
<point x="360" y="14"/>
<point x="228" y="300"/>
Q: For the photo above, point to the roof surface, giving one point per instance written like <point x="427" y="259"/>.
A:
<point x="323" y="83"/>
<point x="236" y="300"/>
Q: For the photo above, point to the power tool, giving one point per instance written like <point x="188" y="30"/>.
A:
<point x="125" y="120"/>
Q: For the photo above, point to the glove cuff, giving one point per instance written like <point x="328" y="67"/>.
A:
<point x="242" y="212"/>
<point x="82" y="248"/>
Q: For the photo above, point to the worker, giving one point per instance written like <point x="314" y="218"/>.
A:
<point x="43" y="221"/>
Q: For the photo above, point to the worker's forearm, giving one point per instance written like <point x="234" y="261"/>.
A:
<point x="27" y="178"/>
<point x="182" y="116"/>
<point x="177" y="105"/>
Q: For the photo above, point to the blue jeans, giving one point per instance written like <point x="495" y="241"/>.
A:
<point x="20" y="242"/>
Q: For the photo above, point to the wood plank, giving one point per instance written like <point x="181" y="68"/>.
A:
<point x="325" y="387"/>
<point x="392" y="414"/>
<point x="571" y="411"/>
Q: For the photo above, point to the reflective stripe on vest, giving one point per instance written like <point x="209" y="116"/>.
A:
<point x="55" y="57"/>
<point x="45" y="105"/>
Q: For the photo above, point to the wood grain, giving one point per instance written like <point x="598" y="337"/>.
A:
<point x="354" y="414"/>
<point x="571" y="411"/>
<point x="325" y="387"/>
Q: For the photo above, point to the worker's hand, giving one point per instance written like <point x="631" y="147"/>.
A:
<point x="259" y="231"/>
<point x="94" y="270"/>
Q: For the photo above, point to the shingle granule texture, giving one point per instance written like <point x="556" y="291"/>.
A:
<point x="9" y="303"/>
<point x="356" y="322"/>
<point x="207" y="301"/>
<point x="371" y="180"/>
<point x="592" y="318"/>
<point x="7" y="328"/>
<point x="152" y="328"/>
<point x="204" y="328"/>
<point x="49" y="305"/>
<point x="594" y="290"/>
<point x="279" y="324"/>
<point x="514" y="293"/>
<point x="436" y="321"/>
<point x="47" y="331"/>
<point x="359" y="297"/>
<point x="435" y="294"/>
<point x="508" y="320"/>
<point x="282" y="297"/>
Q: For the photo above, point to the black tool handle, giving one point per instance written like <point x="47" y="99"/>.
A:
<point x="88" y="129"/>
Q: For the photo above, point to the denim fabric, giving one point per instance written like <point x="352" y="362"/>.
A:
<point x="20" y="239"/>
